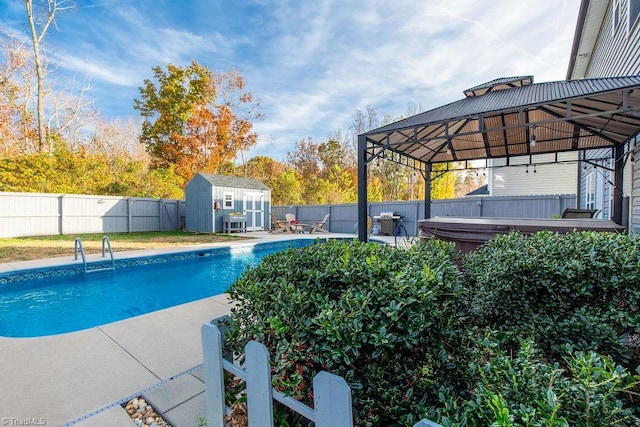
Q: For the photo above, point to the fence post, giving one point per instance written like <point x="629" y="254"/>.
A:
<point x="61" y="214"/>
<point x="129" y="207"/>
<point x="213" y="375"/>
<point x="332" y="401"/>
<point x="259" y="396"/>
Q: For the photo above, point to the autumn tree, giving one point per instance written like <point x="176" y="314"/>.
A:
<point x="18" y="129"/>
<point x="242" y="109"/>
<point x="305" y="159"/>
<point x="74" y="171"/>
<point x="263" y="169"/>
<point x="195" y="120"/>
<point x="286" y="189"/>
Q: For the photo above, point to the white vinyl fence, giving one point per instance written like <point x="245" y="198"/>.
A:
<point x="331" y="394"/>
<point x="37" y="214"/>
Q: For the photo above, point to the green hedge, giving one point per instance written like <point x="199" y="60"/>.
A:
<point x="380" y="317"/>
<point x="528" y="331"/>
<point x="581" y="288"/>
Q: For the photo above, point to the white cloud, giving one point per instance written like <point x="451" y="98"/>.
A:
<point x="314" y="63"/>
<point x="386" y="54"/>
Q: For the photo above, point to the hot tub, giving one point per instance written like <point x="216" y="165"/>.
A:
<point x="469" y="233"/>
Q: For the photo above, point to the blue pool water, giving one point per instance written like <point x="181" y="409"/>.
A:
<point x="56" y="301"/>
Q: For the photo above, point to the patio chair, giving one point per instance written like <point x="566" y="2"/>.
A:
<point x="277" y="225"/>
<point x="293" y="225"/>
<point x="319" y="225"/>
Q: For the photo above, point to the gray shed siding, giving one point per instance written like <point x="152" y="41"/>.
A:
<point x="198" y="195"/>
<point x="204" y="192"/>
<point x="261" y="223"/>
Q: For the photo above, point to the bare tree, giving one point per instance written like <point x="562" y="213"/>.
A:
<point x="69" y="113"/>
<point x="362" y="122"/>
<point x="39" y="29"/>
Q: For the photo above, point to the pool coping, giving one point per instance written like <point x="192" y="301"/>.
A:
<point x="60" y="378"/>
<point x="60" y="267"/>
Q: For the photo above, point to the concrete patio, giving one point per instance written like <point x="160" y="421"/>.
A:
<point x="81" y="378"/>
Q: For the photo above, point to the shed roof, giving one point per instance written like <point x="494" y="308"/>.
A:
<point x="512" y="116"/>
<point x="233" y="181"/>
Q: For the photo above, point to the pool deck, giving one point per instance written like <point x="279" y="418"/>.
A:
<point x="80" y="378"/>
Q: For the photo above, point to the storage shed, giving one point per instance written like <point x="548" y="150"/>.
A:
<point x="218" y="203"/>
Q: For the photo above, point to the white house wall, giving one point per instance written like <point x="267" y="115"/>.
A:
<point x="535" y="176"/>
<point x="617" y="53"/>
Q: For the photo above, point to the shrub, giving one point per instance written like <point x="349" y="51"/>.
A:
<point x="527" y="390"/>
<point x="581" y="288"/>
<point x="383" y="318"/>
<point x="533" y="332"/>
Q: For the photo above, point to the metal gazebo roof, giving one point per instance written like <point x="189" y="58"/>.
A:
<point x="503" y="117"/>
<point x="509" y="117"/>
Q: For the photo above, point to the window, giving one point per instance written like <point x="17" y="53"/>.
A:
<point x="590" y="196"/>
<point x="617" y="12"/>
<point x="227" y="200"/>
<point x="634" y="11"/>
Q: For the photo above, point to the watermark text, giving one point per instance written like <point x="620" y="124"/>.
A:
<point x="29" y="421"/>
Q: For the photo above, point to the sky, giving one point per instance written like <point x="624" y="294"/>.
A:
<point x="311" y="64"/>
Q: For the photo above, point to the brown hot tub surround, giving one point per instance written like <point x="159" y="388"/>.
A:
<point x="469" y="233"/>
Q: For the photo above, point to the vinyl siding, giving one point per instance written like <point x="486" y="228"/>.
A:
<point x="200" y="194"/>
<point x="604" y="179"/>
<point x="535" y="179"/>
<point x="617" y="53"/>
<point x="634" y="219"/>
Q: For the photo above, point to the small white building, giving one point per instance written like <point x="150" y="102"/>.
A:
<point x="209" y="199"/>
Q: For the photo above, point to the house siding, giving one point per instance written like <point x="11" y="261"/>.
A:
<point x="616" y="53"/>
<point x="634" y="222"/>
<point x="604" y="178"/>
<point x="535" y="176"/>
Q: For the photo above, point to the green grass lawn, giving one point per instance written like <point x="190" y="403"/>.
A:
<point x="28" y="248"/>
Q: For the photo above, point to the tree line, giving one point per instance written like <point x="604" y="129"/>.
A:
<point x="192" y="119"/>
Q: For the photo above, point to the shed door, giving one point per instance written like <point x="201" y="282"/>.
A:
<point x="253" y="208"/>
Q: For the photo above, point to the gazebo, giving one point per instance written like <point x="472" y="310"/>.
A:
<point x="505" y="118"/>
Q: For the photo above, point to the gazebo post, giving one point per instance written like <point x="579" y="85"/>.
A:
<point x="618" y="178"/>
<point x="362" y="188"/>
<point x="427" y="191"/>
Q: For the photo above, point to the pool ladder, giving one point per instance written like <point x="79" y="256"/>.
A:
<point x="77" y="246"/>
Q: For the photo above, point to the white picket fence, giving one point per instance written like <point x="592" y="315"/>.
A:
<point x="331" y="393"/>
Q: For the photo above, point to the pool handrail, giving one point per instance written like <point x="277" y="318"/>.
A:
<point x="106" y="239"/>
<point x="78" y="245"/>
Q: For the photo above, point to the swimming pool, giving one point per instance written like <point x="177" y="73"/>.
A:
<point x="65" y="299"/>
